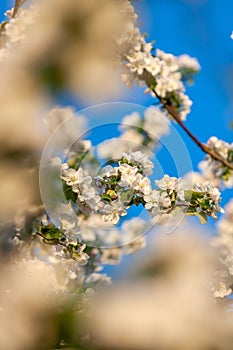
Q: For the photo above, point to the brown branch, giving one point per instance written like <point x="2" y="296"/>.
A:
<point x="18" y="3"/>
<point x="172" y="111"/>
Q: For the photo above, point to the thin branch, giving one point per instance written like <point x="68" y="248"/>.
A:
<point x="18" y="3"/>
<point x="172" y="111"/>
<point x="60" y="243"/>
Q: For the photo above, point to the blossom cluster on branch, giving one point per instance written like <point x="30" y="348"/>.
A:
<point x="117" y="188"/>
<point x="162" y="73"/>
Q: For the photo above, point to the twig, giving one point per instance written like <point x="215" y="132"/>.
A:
<point x="60" y="243"/>
<point x="18" y="3"/>
<point x="172" y="111"/>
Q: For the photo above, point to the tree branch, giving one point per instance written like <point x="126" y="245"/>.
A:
<point x="18" y="3"/>
<point x="60" y="243"/>
<point x="172" y="111"/>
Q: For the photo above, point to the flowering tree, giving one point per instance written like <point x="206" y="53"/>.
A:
<point x="55" y="246"/>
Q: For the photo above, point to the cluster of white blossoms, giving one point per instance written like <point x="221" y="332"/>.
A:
<point x="172" y="194"/>
<point x="162" y="201"/>
<point x="124" y="185"/>
<point x="129" y="238"/>
<point x="161" y="73"/>
<point x="59" y="246"/>
<point x="214" y="170"/>
<point x="154" y="123"/>
<point x="15" y="29"/>
<point x="57" y="116"/>
<point x="223" y="242"/>
<point x="185" y="62"/>
<point x="117" y="188"/>
<point x="137" y="133"/>
<point x="81" y="183"/>
<point x="72" y="262"/>
<point x="130" y="140"/>
<point x="209" y="198"/>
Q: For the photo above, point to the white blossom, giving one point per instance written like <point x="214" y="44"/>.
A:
<point x="169" y="59"/>
<point x="132" y="119"/>
<point x="187" y="62"/>
<point x="213" y="195"/>
<point x="152" y="199"/>
<point x="128" y="175"/>
<point x="156" y="123"/>
<point x="153" y="65"/>
<point x="220" y="285"/>
<point x="172" y="184"/>
<point x="131" y="139"/>
<point x="142" y="184"/>
<point x="109" y="171"/>
<point x="111" y="256"/>
<point x="141" y="160"/>
<point x="112" y="212"/>
<point x="113" y="148"/>
<point x="71" y="176"/>
<point x="165" y="68"/>
<point x="136" y="62"/>
<point x="223" y="242"/>
<point x="69" y="225"/>
<point x="61" y="117"/>
<point x="99" y="232"/>
<point x="213" y="169"/>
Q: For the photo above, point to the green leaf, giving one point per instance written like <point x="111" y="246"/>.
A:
<point x="205" y="204"/>
<point x="51" y="233"/>
<point x="73" y="247"/>
<point x="230" y="156"/>
<point x="114" y="180"/>
<point x="188" y="195"/>
<point x="196" y="195"/>
<point x="69" y="194"/>
<point x="191" y="210"/>
<point x="126" y="196"/>
<point x="202" y="217"/>
<point x="106" y="197"/>
<point x="226" y="174"/>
